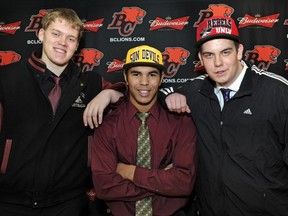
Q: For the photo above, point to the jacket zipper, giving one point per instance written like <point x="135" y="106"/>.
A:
<point x="220" y="176"/>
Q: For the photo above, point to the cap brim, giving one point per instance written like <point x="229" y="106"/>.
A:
<point x="135" y="64"/>
<point x="225" y="36"/>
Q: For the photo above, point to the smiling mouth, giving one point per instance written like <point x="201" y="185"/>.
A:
<point x="60" y="50"/>
<point x="220" y="72"/>
<point x="144" y="92"/>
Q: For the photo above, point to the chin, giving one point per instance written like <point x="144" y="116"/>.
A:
<point x="61" y="64"/>
<point x="145" y="101"/>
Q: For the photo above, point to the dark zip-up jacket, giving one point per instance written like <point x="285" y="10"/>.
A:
<point x="43" y="157"/>
<point x="243" y="149"/>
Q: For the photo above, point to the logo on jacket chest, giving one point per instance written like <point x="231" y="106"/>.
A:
<point x="79" y="102"/>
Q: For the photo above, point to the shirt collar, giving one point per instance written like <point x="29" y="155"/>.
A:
<point x="236" y="84"/>
<point x="40" y="66"/>
<point x="49" y="73"/>
<point x="132" y="111"/>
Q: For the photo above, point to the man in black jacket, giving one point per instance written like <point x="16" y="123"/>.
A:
<point x="241" y="114"/>
<point x="44" y="149"/>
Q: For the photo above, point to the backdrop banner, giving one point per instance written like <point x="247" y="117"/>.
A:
<point x="112" y="27"/>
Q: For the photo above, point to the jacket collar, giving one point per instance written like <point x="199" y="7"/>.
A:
<point x="246" y="87"/>
<point x="38" y="66"/>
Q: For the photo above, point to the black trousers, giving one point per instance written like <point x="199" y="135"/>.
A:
<point x="77" y="206"/>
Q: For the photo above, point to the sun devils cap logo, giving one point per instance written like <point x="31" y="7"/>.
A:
<point x="144" y="56"/>
<point x="216" y="27"/>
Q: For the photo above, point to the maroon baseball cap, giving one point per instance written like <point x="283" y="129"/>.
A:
<point x="216" y="27"/>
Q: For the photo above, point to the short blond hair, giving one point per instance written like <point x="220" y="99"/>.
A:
<point x="66" y="14"/>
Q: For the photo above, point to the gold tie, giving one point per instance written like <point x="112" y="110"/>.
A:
<point x="144" y="206"/>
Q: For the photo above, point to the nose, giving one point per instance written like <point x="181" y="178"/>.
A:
<point x="62" y="40"/>
<point x="144" y="80"/>
<point x="217" y="60"/>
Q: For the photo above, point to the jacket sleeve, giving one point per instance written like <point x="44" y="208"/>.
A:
<point x="285" y="154"/>
<point x="178" y="180"/>
<point x="165" y="92"/>
<point x="1" y="111"/>
<point x="1" y="114"/>
<point x="108" y="184"/>
<point x="119" y="86"/>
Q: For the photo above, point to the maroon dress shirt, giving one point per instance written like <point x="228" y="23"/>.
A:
<point x="172" y="142"/>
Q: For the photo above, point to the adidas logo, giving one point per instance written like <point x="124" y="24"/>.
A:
<point x="247" y="112"/>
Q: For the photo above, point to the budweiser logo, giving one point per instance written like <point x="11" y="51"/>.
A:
<point x="115" y="65"/>
<point x="10" y="28"/>
<point x="93" y="25"/>
<point x="267" y="21"/>
<point x="178" y="23"/>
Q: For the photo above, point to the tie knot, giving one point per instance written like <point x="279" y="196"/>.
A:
<point x="143" y="116"/>
<point x="226" y="93"/>
<point x="56" y="80"/>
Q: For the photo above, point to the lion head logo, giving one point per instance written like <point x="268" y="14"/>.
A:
<point x="174" y="57"/>
<point x="221" y="10"/>
<point x="8" y="57"/>
<point x="88" y="58"/>
<point x="214" y="10"/>
<point x="133" y="14"/>
<point x="263" y="55"/>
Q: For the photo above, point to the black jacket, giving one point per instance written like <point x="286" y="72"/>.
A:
<point x="43" y="157"/>
<point x="243" y="149"/>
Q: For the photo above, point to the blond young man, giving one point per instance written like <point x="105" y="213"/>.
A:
<point x="44" y="144"/>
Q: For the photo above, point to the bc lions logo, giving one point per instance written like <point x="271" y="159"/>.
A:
<point x="88" y="58"/>
<point x="126" y="20"/>
<point x="214" y="10"/>
<point x="262" y="56"/>
<point x="173" y="57"/>
<point x="8" y="57"/>
<point x="35" y="23"/>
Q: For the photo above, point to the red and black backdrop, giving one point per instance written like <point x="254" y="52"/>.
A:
<point x="112" y="27"/>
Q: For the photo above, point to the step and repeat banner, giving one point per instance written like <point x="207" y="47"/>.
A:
<point x="112" y="27"/>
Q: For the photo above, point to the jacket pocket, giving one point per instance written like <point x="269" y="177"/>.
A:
<point x="6" y="154"/>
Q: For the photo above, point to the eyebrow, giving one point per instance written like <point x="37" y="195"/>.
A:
<point x="226" y="49"/>
<point x="59" y="31"/>
<point x="229" y="48"/>
<point x="152" y="71"/>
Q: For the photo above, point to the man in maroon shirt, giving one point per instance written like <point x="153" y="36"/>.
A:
<point x="171" y="178"/>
